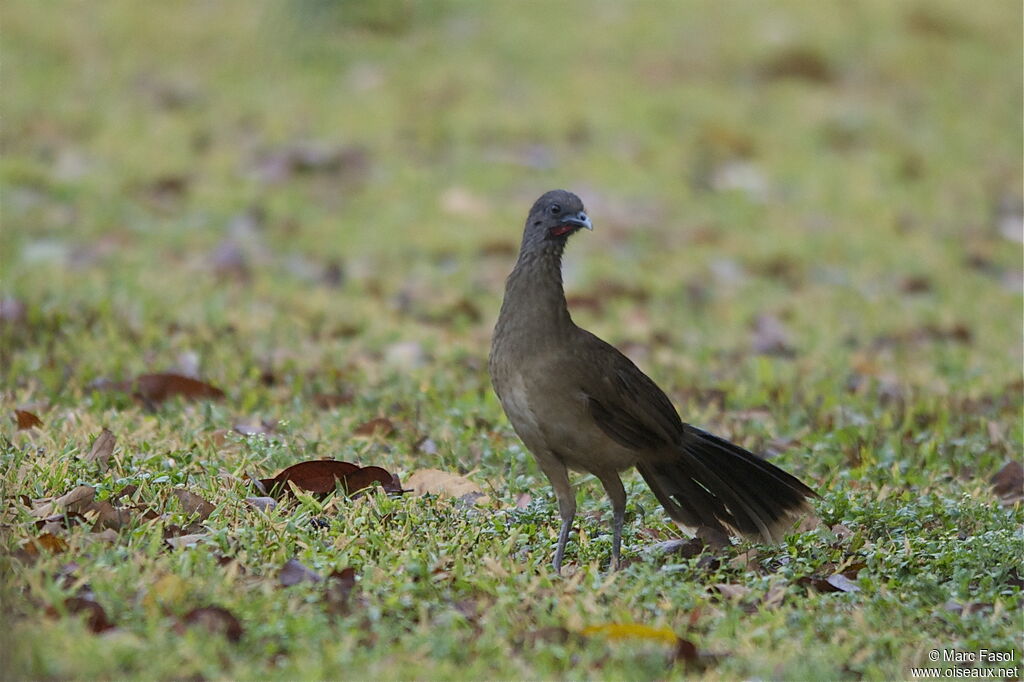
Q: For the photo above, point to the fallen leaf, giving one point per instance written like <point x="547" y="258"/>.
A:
<point x="836" y="582"/>
<point x="339" y="589"/>
<point x="156" y="388"/>
<point x="214" y="619"/>
<point x="687" y="548"/>
<point x="293" y="573"/>
<point x="1008" y="483"/>
<point x="263" y="504"/>
<point x="45" y="542"/>
<point x="95" y="616"/>
<point x="322" y="476"/>
<point x="26" y="420"/>
<point x="437" y="482"/>
<point x="109" y="517"/>
<point x="842" y="583"/>
<point x="263" y="427"/>
<point x="194" y="504"/>
<point x="685" y="651"/>
<point x="732" y="591"/>
<point x="182" y="541"/>
<point x="102" y="449"/>
<point x="76" y="500"/>
<point x="523" y="500"/>
<point x="381" y="426"/>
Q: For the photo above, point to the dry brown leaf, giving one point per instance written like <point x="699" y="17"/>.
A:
<point x="26" y="420"/>
<point x="194" y="504"/>
<point x="156" y="388"/>
<point x="294" y="572"/>
<point x="214" y="619"/>
<point x="76" y="500"/>
<point x="323" y="476"/>
<point x="381" y="426"/>
<point x="102" y="449"/>
<point x="339" y="589"/>
<point x="109" y="517"/>
<point x="1008" y="483"/>
<point x="45" y="542"/>
<point x="96" y="617"/>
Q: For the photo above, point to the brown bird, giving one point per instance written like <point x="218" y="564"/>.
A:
<point x="578" y="403"/>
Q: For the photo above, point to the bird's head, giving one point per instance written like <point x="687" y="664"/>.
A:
<point x="555" y="216"/>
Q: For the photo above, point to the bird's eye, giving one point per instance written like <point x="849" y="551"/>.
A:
<point x="555" y="209"/>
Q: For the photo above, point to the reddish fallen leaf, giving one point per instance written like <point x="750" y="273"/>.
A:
<point x="293" y="573"/>
<point x="102" y="449"/>
<point x="95" y="615"/>
<point x="156" y="388"/>
<point x="26" y="420"/>
<point x="1008" y="483"/>
<point x="323" y="476"/>
<point x="47" y="542"/>
<point x="214" y="619"/>
<point x="523" y="500"/>
<point x="194" y="504"/>
<point x="339" y="589"/>
<point x="381" y="426"/>
<point x="685" y="651"/>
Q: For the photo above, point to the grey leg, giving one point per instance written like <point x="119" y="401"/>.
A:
<point x="559" y="478"/>
<point x="617" y="494"/>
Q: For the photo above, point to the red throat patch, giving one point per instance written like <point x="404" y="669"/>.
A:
<point x="566" y="228"/>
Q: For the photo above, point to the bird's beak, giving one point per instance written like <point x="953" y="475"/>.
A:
<point x="579" y="220"/>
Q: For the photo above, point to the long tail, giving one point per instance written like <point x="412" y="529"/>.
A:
<point x="710" y="482"/>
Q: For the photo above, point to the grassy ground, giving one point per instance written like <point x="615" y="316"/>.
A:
<point x="807" y="230"/>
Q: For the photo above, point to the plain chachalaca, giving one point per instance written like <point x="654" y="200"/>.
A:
<point x="578" y="403"/>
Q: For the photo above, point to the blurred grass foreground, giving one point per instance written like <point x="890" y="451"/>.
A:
<point x="808" y="229"/>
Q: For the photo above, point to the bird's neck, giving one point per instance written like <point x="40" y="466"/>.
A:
<point x="534" y="298"/>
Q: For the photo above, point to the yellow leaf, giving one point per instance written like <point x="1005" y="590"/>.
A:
<point x="632" y="631"/>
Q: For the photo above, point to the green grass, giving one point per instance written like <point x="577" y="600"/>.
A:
<point x="878" y="150"/>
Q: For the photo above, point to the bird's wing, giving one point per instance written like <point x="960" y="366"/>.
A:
<point x="624" y="402"/>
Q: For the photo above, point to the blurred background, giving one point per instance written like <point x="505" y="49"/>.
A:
<point x="298" y="184"/>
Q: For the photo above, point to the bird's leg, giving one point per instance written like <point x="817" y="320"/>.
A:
<point x="563" y="537"/>
<point x="559" y="477"/>
<point x="617" y="494"/>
